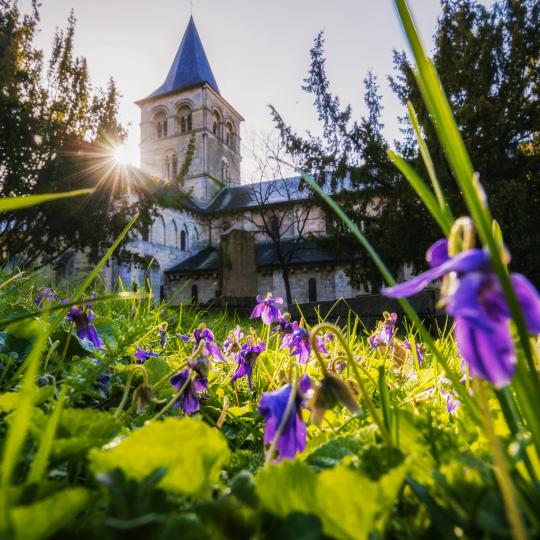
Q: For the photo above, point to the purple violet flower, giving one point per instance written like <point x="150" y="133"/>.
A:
<point x="232" y="343"/>
<point x="272" y="406"/>
<point x="299" y="342"/>
<point x="477" y="303"/>
<point x="82" y="317"/>
<point x="384" y="331"/>
<point x="188" y="401"/>
<point x="142" y="355"/>
<point x="245" y="359"/>
<point x="419" y="350"/>
<point x="45" y="296"/>
<point x="266" y="310"/>
<point x="162" y="329"/>
<point x="284" y="325"/>
<point x="204" y="334"/>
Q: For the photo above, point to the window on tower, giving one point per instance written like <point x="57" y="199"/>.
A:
<point x="216" y="124"/>
<point x="160" y="124"/>
<point x="170" y="165"/>
<point x="184" y="119"/>
<point x="229" y="137"/>
<point x="224" y="171"/>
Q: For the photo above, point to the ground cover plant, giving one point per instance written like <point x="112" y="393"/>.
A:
<point x="120" y="418"/>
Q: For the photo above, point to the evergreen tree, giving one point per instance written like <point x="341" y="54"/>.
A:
<point x="351" y="155"/>
<point x="57" y="133"/>
<point x="489" y="65"/>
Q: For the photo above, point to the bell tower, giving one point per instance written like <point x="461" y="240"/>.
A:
<point x="189" y="108"/>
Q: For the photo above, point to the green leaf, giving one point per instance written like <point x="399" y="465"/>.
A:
<point x="8" y="204"/>
<point x="50" y="515"/>
<point x="79" y="430"/>
<point x="352" y="505"/>
<point x="287" y="487"/>
<point x="157" y="368"/>
<point x="9" y="400"/>
<point x="192" y="452"/>
<point x="18" y="429"/>
<point x="332" y="452"/>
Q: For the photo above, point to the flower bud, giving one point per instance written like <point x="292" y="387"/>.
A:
<point x="200" y="365"/>
<point x="332" y="391"/>
<point x="142" y="397"/>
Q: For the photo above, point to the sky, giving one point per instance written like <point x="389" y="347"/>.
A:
<point x="258" y="50"/>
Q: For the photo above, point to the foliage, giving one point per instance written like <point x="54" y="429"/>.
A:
<point x="487" y="62"/>
<point x="58" y="134"/>
<point x="411" y="440"/>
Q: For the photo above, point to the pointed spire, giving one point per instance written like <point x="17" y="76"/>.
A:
<point x="190" y="66"/>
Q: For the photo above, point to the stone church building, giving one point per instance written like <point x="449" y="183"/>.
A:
<point x="219" y="241"/>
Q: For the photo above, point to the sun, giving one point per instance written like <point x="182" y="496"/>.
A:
<point x="122" y="154"/>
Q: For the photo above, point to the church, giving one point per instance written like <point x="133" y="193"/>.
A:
<point x="225" y="237"/>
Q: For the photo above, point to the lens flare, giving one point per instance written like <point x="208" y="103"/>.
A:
<point x="122" y="154"/>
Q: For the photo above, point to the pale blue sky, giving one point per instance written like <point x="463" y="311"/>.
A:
<point x="258" y="50"/>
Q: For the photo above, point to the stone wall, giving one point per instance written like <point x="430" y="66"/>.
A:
<point x="238" y="271"/>
<point x="369" y="308"/>
<point x="211" y="150"/>
<point x="180" y="291"/>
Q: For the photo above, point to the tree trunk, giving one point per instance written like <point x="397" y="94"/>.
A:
<point x="287" y="283"/>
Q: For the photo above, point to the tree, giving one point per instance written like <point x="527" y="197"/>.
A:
<point x="57" y="133"/>
<point x="280" y="211"/>
<point x="350" y="157"/>
<point x="489" y="66"/>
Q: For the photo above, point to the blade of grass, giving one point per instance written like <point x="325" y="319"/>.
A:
<point x="18" y="429"/>
<point x="39" y="464"/>
<point x="426" y="157"/>
<point x="123" y="296"/>
<point x="80" y="291"/>
<point x="407" y="308"/>
<point x="443" y="219"/>
<point x="62" y="313"/>
<point x="9" y="204"/>
<point x="460" y="163"/>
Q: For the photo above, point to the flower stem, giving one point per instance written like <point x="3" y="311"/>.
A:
<point x="501" y="469"/>
<point x="127" y="388"/>
<point x="173" y="400"/>
<point x="319" y="329"/>
<point x="284" y="419"/>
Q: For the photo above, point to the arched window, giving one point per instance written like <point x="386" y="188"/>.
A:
<point x="184" y="119"/>
<point x="229" y="136"/>
<point x="175" y="233"/>
<point x="312" y="290"/>
<point x="224" y="171"/>
<point x="216" y="124"/>
<point x="195" y="240"/>
<point x="160" y="124"/>
<point x="194" y="294"/>
<point x="158" y="231"/>
<point x="170" y="166"/>
<point x="183" y="240"/>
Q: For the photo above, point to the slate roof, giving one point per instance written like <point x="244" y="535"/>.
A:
<point x="190" y="66"/>
<point x="260" y="193"/>
<point x="309" y="253"/>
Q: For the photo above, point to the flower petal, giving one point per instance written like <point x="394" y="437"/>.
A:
<point x="490" y="355"/>
<point x="437" y="254"/>
<point x="467" y="261"/>
<point x="530" y="301"/>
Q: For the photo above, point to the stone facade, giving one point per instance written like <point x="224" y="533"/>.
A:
<point x="184" y="245"/>
<point x="167" y="125"/>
